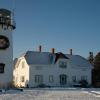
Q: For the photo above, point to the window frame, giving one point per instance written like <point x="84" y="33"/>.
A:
<point x="6" y="42"/>
<point x="83" y="77"/>
<point x="51" y="78"/>
<point x="2" y="68"/>
<point x="62" y="64"/>
<point x="74" y="79"/>
<point x="38" y="78"/>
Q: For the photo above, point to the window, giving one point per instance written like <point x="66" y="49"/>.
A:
<point x="4" y="42"/>
<point x="38" y="78"/>
<point x="23" y="64"/>
<point x="62" y="64"/>
<point x="51" y="78"/>
<point x="38" y="67"/>
<point x="22" y="79"/>
<point x="63" y="79"/>
<point x="83" y="77"/>
<point x="2" y="67"/>
<point x="74" y="78"/>
<point x="5" y="28"/>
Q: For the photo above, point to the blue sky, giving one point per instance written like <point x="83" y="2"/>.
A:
<point x="62" y="24"/>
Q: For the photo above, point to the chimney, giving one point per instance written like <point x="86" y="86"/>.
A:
<point x="53" y="50"/>
<point x="71" y="51"/>
<point x="91" y="58"/>
<point x="40" y="48"/>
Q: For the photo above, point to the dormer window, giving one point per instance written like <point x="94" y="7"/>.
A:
<point x="2" y="67"/>
<point x="62" y="64"/>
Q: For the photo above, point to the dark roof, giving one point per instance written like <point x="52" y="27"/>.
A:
<point x="5" y="12"/>
<point x="35" y="57"/>
<point x="60" y="55"/>
<point x="44" y="58"/>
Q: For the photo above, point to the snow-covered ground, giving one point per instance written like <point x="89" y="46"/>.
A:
<point x="52" y="94"/>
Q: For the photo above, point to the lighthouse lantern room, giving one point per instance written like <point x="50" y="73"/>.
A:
<point x="7" y="25"/>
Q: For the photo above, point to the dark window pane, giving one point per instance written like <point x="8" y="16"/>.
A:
<point x="2" y="67"/>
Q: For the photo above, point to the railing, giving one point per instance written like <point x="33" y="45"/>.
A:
<point x="7" y="21"/>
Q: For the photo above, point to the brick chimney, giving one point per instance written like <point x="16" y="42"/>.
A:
<point x="40" y="48"/>
<point x="71" y="51"/>
<point x="52" y="50"/>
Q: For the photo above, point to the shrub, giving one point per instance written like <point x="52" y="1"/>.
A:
<point x="84" y="83"/>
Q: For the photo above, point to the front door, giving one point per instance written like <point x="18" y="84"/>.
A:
<point x="63" y="79"/>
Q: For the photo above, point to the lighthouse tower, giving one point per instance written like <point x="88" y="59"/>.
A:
<point x="7" y="25"/>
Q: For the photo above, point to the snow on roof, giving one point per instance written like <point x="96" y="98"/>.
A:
<point x="35" y="57"/>
<point x="79" y="61"/>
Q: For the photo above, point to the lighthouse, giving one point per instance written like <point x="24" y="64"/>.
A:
<point x="7" y="25"/>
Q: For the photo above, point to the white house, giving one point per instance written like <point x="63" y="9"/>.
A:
<point x="7" y="26"/>
<point x="35" y="68"/>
